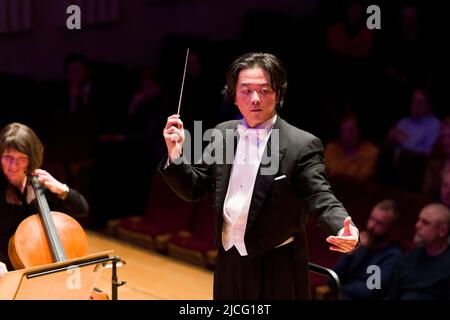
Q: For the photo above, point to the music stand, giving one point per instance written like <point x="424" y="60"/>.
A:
<point x="72" y="279"/>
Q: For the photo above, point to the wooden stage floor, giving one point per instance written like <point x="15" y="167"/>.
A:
<point x="150" y="275"/>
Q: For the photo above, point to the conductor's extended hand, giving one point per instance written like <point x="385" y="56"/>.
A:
<point x="347" y="237"/>
<point x="174" y="136"/>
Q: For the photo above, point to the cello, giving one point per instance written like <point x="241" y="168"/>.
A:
<point x="47" y="237"/>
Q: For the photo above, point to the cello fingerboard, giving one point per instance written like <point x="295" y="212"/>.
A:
<point x="47" y="220"/>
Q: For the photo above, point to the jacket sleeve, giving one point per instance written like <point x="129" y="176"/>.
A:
<point x="316" y="190"/>
<point x="191" y="182"/>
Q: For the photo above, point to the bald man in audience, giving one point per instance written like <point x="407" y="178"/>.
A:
<point x="424" y="273"/>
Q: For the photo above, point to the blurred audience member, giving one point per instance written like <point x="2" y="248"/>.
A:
<point x="142" y="138"/>
<point x="445" y="191"/>
<point x="438" y="162"/>
<point x="424" y="273"/>
<point x="200" y="95"/>
<point x="408" y="145"/>
<point x="349" y="43"/>
<point x="78" y="72"/>
<point x="70" y="106"/>
<point x="351" y="155"/>
<point x="148" y="91"/>
<point x="350" y="37"/>
<point x="90" y="116"/>
<point x="420" y="130"/>
<point x="407" y="55"/>
<point x="376" y="249"/>
<point x="445" y="188"/>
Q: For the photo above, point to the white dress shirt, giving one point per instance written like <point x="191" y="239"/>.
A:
<point x="249" y="151"/>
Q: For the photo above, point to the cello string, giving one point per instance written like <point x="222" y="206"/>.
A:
<point x="46" y="216"/>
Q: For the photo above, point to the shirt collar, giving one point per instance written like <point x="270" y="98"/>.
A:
<point x="268" y="124"/>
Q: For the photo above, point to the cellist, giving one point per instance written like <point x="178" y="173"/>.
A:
<point x="22" y="153"/>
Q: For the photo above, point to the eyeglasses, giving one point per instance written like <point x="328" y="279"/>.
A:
<point x="22" y="161"/>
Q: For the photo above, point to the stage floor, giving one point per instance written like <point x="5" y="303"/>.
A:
<point x="150" y="275"/>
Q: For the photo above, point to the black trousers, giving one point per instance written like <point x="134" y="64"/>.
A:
<point x="270" y="276"/>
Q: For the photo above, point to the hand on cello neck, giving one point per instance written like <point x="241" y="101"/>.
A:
<point x="47" y="180"/>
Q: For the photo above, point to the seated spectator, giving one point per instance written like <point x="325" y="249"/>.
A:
<point x="73" y="105"/>
<point x="445" y="188"/>
<point x="445" y="191"/>
<point x="424" y="273"/>
<point x="145" y="111"/>
<point x="408" y="146"/>
<point x="78" y="72"/>
<point x="439" y="161"/>
<point x="146" y="116"/>
<point x="377" y="249"/>
<point x="406" y="52"/>
<point x="351" y="156"/>
<point x="71" y="136"/>
<point x="419" y="131"/>
<point x="349" y="36"/>
<point x="349" y="46"/>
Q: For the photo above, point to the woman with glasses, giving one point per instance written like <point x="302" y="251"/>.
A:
<point x="21" y="155"/>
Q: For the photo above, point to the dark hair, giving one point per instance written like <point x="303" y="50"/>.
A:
<point x="20" y="137"/>
<point x="266" y="61"/>
<point x="390" y="205"/>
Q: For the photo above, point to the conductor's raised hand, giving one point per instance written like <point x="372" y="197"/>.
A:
<point x="174" y="136"/>
<point x="47" y="180"/>
<point x="347" y="237"/>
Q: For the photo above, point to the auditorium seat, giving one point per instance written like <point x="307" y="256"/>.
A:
<point x="165" y="215"/>
<point x="197" y="244"/>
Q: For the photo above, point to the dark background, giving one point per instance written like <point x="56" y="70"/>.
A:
<point x="121" y="38"/>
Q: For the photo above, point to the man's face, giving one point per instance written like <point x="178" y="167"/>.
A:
<point x="428" y="228"/>
<point x="255" y="97"/>
<point x="379" y="224"/>
<point x="445" y="189"/>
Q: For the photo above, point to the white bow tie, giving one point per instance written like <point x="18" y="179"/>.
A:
<point x="250" y="132"/>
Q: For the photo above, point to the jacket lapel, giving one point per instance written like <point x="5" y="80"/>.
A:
<point x="224" y="171"/>
<point x="264" y="181"/>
